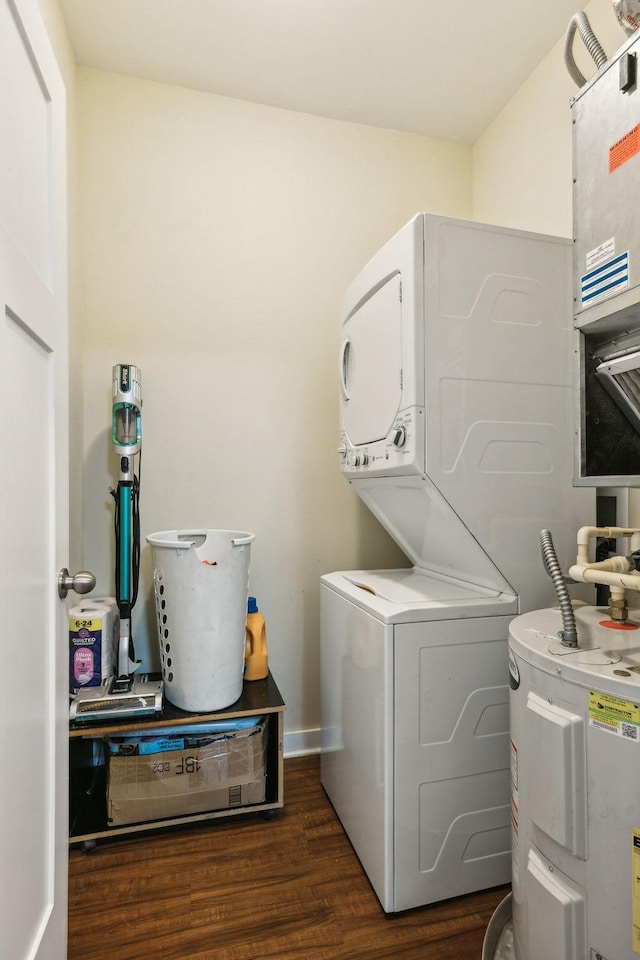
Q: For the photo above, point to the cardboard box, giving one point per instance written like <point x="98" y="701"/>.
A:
<point x="215" y="772"/>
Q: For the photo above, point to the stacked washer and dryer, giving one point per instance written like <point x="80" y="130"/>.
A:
<point x="457" y="432"/>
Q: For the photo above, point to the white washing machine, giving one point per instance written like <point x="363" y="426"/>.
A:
<point x="415" y="721"/>
<point x="456" y="431"/>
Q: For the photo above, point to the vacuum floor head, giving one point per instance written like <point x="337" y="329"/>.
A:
<point x="142" y="697"/>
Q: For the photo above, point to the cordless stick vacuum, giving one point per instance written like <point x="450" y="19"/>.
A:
<point x="125" y="694"/>
<point x="126" y="436"/>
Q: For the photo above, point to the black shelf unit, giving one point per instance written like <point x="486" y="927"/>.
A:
<point x="87" y="775"/>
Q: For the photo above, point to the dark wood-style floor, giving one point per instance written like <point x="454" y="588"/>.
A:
<point x="249" y="889"/>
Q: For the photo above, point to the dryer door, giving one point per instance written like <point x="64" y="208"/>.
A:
<point x="371" y="365"/>
<point x="382" y="361"/>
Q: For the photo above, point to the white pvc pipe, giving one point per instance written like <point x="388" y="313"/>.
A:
<point x="610" y="565"/>
<point x="609" y="533"/>
<point x="586" y="534"/>
<point x="587" y="574"/>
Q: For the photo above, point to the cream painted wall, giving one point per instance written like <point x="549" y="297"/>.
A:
<point x="217" y="237"/>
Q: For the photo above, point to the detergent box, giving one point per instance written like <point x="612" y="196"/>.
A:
<point x="93" y="628"/>
<point x="176" y="775"/>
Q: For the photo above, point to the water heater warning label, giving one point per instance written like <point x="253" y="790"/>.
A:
<point x="613" y="715"/>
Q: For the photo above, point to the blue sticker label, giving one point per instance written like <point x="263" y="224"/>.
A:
<point x="608" y="278"/>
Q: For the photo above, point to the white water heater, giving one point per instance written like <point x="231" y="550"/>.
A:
<point x="575" y="787"/>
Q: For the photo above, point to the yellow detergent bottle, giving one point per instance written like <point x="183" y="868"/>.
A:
<point x="256" y="666"/>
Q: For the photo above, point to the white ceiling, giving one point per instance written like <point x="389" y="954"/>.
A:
<point x="443" y="68"/>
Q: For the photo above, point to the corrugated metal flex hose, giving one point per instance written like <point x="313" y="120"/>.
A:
<point x="569" y="635"/>
<point x="580" y="22"/>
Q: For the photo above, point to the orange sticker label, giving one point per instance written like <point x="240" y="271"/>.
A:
<point x="625" y="148"/>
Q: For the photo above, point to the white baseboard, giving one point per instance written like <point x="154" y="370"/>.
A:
<point x="299" y="743"/>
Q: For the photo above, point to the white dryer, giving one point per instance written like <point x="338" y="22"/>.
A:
<point x="456" y="431"/>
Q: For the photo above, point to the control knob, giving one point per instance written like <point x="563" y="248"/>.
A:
<point x="400" y="437"/>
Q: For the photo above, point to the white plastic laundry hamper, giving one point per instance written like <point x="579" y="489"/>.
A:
<point x="201" y="583"/>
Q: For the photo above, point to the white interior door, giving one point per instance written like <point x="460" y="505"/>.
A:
<point x="33" y="490"/>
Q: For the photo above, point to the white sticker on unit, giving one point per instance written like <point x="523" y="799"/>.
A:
<point x="601" y="253"/>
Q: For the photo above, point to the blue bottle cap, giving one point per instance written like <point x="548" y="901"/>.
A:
<point x="252" y="606"/>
